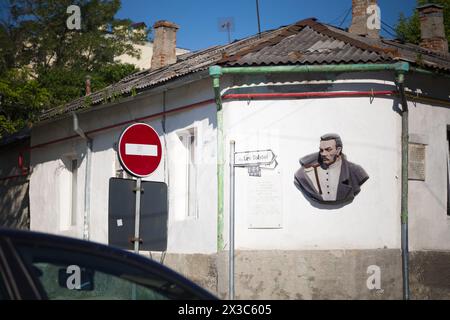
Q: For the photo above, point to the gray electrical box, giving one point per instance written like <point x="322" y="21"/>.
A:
<point x="153" y="217"/>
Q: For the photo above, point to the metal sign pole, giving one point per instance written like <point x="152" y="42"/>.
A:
<point x="136" y="227"/>
<point x="137" y="216"/>
<point x="231" y="240"/>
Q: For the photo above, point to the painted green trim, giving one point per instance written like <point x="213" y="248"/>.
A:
<point x="217" y="71"/>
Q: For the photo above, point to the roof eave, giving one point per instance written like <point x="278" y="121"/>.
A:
<point x="171" y="84"/>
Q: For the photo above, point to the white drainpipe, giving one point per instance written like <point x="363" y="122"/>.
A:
<point x="87" y="180"/>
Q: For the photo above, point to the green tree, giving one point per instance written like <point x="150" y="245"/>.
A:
<point x="43" y="64"/>
<point x="408" y="29"/>
<point x="21" y="100"/>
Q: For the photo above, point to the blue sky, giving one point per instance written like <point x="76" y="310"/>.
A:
<point x="199" y="19"/>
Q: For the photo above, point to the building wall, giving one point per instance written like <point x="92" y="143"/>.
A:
<point x="313" y="275"/>
<point x="294" y="261"/>
<point x="370" y="131"/>
<point x="14" y="202"/>
<point x="292" y="129"/>
<point x="294" y="249"/>
<point x="430" y="274"/>
<point x="429" y="222"/>
<point x="50" y="165"/>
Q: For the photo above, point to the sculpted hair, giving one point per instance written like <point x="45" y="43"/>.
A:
<point x="335" y="137"/>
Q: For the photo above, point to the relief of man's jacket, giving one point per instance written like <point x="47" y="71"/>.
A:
<point x="351" y="178"/>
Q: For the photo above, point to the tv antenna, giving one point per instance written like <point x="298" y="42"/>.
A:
<point x="257" y="15"/>
<point x="227" y="25"/>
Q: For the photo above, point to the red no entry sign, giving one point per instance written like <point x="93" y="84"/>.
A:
<point x="139" y="150"/>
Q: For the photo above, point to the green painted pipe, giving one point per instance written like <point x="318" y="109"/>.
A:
<point x="217" y="71"/>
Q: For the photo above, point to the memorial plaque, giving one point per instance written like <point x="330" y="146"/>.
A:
<point x="416" y="167"/>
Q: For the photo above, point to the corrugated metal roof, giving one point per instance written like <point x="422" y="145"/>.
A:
<point x="403" y="51"/>
<point x="309" y="47"/>
<point x="186" y="64"/>
<point x="305" y="42"/>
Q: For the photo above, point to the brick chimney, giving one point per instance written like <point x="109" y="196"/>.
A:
<point x="432" y="28"/>
<point x="164" y="44"/>
<point x="360" y="19"/>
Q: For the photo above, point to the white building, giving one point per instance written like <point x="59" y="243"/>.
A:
<point x="287" y="246"/>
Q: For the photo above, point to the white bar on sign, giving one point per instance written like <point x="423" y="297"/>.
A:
<point x="133" y="149"/>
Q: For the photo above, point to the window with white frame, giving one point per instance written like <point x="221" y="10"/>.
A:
<point x="74" y="188"/>
<point x="68" y="193"/>
<point x="188" y="160"/>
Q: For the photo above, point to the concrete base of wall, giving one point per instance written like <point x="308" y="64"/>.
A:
<point x="314" y="275"/>
<point x="430" y="275"/>
<point x="199" y="268"/>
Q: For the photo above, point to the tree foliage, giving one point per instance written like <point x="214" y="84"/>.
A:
<point x="408" y="29"/>
<point x="43" y="64"/>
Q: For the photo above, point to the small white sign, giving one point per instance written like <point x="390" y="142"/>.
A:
<point x="119" y="222"/>
<point x="254" y="158"/>
<point x="133" y="149"/>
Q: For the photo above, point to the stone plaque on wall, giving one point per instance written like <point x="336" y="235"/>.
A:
<point x="416" y="167"/>
<point x="265" y="202"/>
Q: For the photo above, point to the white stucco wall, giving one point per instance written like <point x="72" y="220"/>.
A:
<point x="428" y="124"/>
<point x="370" y="130"/>
<point x="429" y="222"/>
<point x="46" y="195"/>
<point x="292" y="129"/>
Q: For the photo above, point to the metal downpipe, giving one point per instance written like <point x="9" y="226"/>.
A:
<point x="215" y="72"/>
<point x="404" y="188"/>
<point x="87" y="190"/>
<point x="87" y="176"/>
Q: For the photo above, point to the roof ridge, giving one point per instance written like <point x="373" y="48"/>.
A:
<point x="270" y="47"/>
<point x="342" y="36"/>
<point x="318" y="27"/>
<point x="280" y="34"/>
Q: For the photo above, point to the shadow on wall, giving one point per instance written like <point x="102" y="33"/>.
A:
<point x="14" y="203"/>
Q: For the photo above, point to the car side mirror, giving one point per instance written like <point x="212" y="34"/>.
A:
<point x="76" y="278"/>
